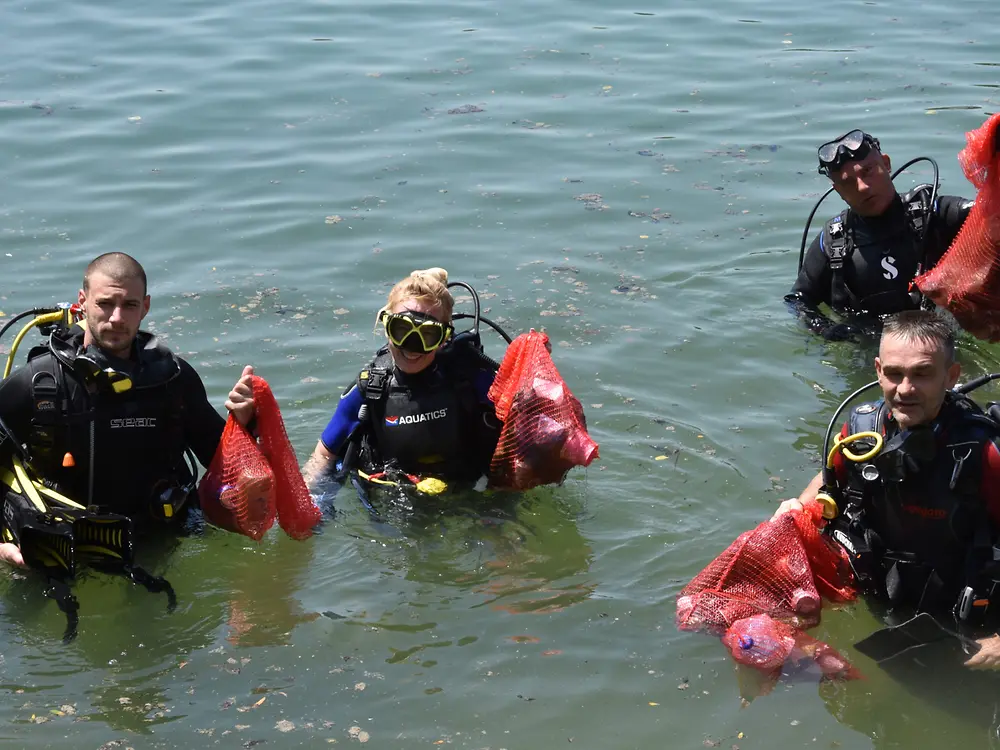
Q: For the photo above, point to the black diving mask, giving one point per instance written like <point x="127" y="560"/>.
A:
<point x="851" y="146"/>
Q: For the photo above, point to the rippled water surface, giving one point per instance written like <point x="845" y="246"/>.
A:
<point x="634" y="179"/>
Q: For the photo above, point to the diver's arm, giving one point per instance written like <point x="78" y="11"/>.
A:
<point x="988" y="656"/>
<point x="12" y="402"/>
<point x="240" y="402"/>
<point x="11" y="553"/>
<point x="811" y="289"/>
<point x="203" y="425"/>
<point x="950" y="214"/>
<point x="331" y="443"/>
<point x="817" y="322"/>
<point x="798" y="503"/>
<point x="319" y="464"/>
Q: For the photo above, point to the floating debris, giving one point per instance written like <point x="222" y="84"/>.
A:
<point x="466" y="109"/>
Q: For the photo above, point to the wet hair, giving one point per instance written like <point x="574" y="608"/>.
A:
<point x="923" y="326"/>
<point x="429" y="286"/>
<point x="117" y="267"/>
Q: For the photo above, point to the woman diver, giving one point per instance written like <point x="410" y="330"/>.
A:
<point x="419" y="410"/>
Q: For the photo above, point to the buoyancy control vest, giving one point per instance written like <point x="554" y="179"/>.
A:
<point x="894" y="256"/>
<point x="109" y="432"/>
<point x="915" y="521"/>
<point x="431" y="423"/>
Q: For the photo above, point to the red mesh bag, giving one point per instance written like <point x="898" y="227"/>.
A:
<point x="781" y="569"/>
<point x="247" y="486"/>
<point x="766" y="644"/>
<point x="237" y="491"/>
<point x="544" y="431"/>
<point x="966" y="280"/>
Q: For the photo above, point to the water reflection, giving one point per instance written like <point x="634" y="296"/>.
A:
<point x="119" y="669"/>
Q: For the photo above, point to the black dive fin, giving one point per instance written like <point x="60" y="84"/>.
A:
<point x="63" y="596"/>
<point x="153" y="584"/>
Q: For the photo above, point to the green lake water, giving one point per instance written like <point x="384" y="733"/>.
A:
<point x="634" y="179"/>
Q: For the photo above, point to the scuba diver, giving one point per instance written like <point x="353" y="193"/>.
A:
<point x="419" y="412"/>
<point x="863" y="261"/>
<point x="912" y="485"/>
<point x="97" y="426"/>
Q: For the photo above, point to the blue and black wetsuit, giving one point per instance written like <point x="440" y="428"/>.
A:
<point x="438" y="422"/>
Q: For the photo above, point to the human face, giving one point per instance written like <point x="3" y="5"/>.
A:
<point x="113" y="310"/>
<point x="413" y="362"/>
<point x="914" y="376"/>
<point x="865" y="184"/>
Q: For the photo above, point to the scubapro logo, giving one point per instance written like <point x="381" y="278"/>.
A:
<point x="891" y="271"/>
<point x="130" y="422"/>
<point x="416" y="418"/>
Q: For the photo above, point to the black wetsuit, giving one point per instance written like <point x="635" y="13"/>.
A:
<point x="126" y="447"/>
<point x="883" y="256"/>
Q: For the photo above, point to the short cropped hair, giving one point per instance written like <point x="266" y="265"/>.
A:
<point x="924" y="326"/>
<point x="116" y="266"/>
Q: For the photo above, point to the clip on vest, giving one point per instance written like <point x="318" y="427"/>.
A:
<point x="376" y="386"/>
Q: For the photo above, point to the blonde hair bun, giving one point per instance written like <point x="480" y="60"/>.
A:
<point x="438" y="274"/>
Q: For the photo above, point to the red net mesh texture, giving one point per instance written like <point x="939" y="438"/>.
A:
<point x="246" y="486"/>
<point x="237" y="491"/>
<point x="966" y="280"/>
<point x="544" y="431"/>
<point x="298" y="514"/>
<point x="781" y="568"/>
<point x="766" y="644"/>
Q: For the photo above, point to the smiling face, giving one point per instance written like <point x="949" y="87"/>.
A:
<point x="865" y="184"/>
<point x="413" y="362"/>
<point x="915" y="375"/>
<point x="113" y="310"/>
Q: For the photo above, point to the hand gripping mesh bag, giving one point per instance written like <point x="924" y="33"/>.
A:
<point x="966" y="280"/>
<point x="247" y="486"/>
<point x="544" y="430"/>
<point x="782" y="568"/>
<point x="766" y="587"/>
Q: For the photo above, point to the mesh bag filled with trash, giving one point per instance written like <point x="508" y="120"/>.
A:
<point x="247" y="486"/>
<point x="768" y="645"/>
<point x="782" y="568"/>
<point x="544" y="430"/>
<point x="966" y="280"/>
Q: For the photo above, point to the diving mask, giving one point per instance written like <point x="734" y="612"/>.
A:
<point x="849" y="147"/>
<point x="415" y="332"/>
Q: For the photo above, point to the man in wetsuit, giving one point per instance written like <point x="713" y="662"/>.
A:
<point x="863" y="261"/>
<point x="920" y="513"/>
<point x="103" y="413"/>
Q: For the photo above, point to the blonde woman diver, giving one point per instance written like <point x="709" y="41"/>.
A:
<point x="420" y="408"/>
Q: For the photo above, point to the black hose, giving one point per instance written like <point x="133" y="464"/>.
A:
<point x="978" y="382"/>
<point x="805" y="232"/>
<point x="911" y="162"/>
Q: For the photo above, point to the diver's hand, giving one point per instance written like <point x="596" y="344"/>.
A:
<point x="988" y="656"/>
<point x="788" y="505"/>
<point x="11" y="553"/>
<point x="841" y="332"/>
<point x="240" y="402"/>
